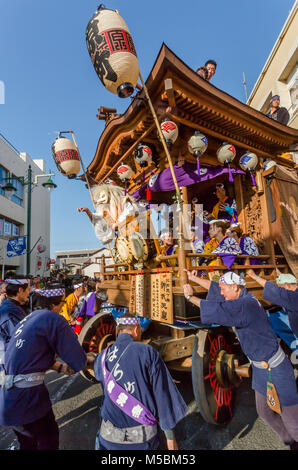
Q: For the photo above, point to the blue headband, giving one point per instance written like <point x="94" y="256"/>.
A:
<point x="51" y="292"/>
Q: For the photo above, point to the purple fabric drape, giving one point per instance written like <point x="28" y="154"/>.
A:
<point x="186" y="175"/>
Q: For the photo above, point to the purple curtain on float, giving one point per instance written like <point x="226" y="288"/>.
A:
<point x="186" y="175"/>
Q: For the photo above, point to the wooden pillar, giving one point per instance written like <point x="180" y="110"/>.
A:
<point x="181" y="249"/>
<point x="240" y="201"/>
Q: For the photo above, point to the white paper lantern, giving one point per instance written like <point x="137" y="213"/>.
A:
<point x="226" y="153"/>
<point x="170" y="131"/>
<point x="197" y="144"/>
<point x="124" y="172"/>
<point x="66" y="157"/>
<point x="112" y="52"/>
<point x="143" y="155"/>
<point x="248" y="161"/>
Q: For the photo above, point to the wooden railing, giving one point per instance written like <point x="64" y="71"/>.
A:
<point x="263" y="269"/>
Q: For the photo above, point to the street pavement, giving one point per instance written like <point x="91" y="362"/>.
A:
<point x="76" y="403"/>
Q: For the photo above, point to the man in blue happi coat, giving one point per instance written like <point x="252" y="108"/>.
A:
<point x="11" y="310"/>
<point x="139" y="393"/>
<point x="284" y="293"/>
<point x="25" y="404"/>
<point x="230" y="304"/>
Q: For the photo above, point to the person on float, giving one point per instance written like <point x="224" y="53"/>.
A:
<point x="246" y="243"/>
<point x="284" y="293"/>
<point x="168" y="247"/>
<point x="276" y="112"/>
<point x="230" y="304"/>
<point x="225" y="208"/>
<point x="138" y="394"/>
<point x="227" y="248"/>
<point x="211" y="66"/>
<point x="199" y="217"/>
<point x="71" y="302"/>
<point x="25" y="405"/>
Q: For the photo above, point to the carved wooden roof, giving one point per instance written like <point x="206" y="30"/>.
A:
<point x="193" y="103"/>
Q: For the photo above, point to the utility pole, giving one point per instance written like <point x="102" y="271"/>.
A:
<point x="29" y="182"/>
<point x="245" y="89"/>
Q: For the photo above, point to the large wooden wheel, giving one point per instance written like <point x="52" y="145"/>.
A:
<point x="213" y="389"/>
<point x="96" y="335"/>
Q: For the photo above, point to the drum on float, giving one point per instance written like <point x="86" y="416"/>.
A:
<point x="123" y="250"/>
<point x="141" y="249"/>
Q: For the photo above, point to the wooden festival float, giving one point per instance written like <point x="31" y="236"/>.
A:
<point x="153" y="288"/>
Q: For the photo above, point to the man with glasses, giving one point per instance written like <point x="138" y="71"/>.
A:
<point x="25" y="404"/>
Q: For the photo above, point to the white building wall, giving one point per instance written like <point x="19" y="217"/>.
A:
<point x="18" y="165"/>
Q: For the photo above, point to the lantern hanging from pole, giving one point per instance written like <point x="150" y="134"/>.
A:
<point x="170" y="131"/>
<point x="112" y="52"/>
<point x="143" y="156"/>
<point x="125" y="173"/>
<point x="197" y="145"/>
<point x="66" y="157"/>
<point x="226" y="154"/>
<point x="248" y="162"/>
<point x="41" y="248"/>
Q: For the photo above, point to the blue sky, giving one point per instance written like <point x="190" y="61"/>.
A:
<point x="50" y="83"/>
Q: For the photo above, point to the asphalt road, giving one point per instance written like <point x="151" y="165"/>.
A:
<point x="76" y="405"/>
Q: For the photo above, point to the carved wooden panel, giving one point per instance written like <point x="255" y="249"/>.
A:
<point x="253" y="213"/>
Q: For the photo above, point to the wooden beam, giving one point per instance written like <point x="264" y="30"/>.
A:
<point x="170" y="92"/>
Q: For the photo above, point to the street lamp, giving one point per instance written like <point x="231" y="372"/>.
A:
<point x="49" y="184"/>
<point x="9" y="189"/>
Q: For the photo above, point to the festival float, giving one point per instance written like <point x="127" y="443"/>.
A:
<point x="178" y="140"/>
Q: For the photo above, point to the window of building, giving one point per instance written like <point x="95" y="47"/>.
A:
<point x="18" y="197"/>
<point x="9" y="228"/>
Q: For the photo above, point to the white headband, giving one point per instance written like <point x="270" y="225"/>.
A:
<point x="217" y="220"/>
<point x="237" y="224"/>
<point x="164" y="234"/>
<point x="232" y="278"/>
<point x="76" y="286"/>
<point x="128" y="321"/>
<point x="17" y="282"/>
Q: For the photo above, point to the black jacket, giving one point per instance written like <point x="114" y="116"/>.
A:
<point x="280" y="115"/>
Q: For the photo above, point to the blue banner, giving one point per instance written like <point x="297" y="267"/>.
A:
<point x="16" y="247"/>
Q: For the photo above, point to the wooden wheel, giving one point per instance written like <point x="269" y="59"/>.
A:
<point x="213" y="390"/>
<point x="96" y="334"/>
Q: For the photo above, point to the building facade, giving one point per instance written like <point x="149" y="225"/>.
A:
<point x="14" y="211"/>
<point x="280" y="72"/>
<point x="84" y="262"/>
